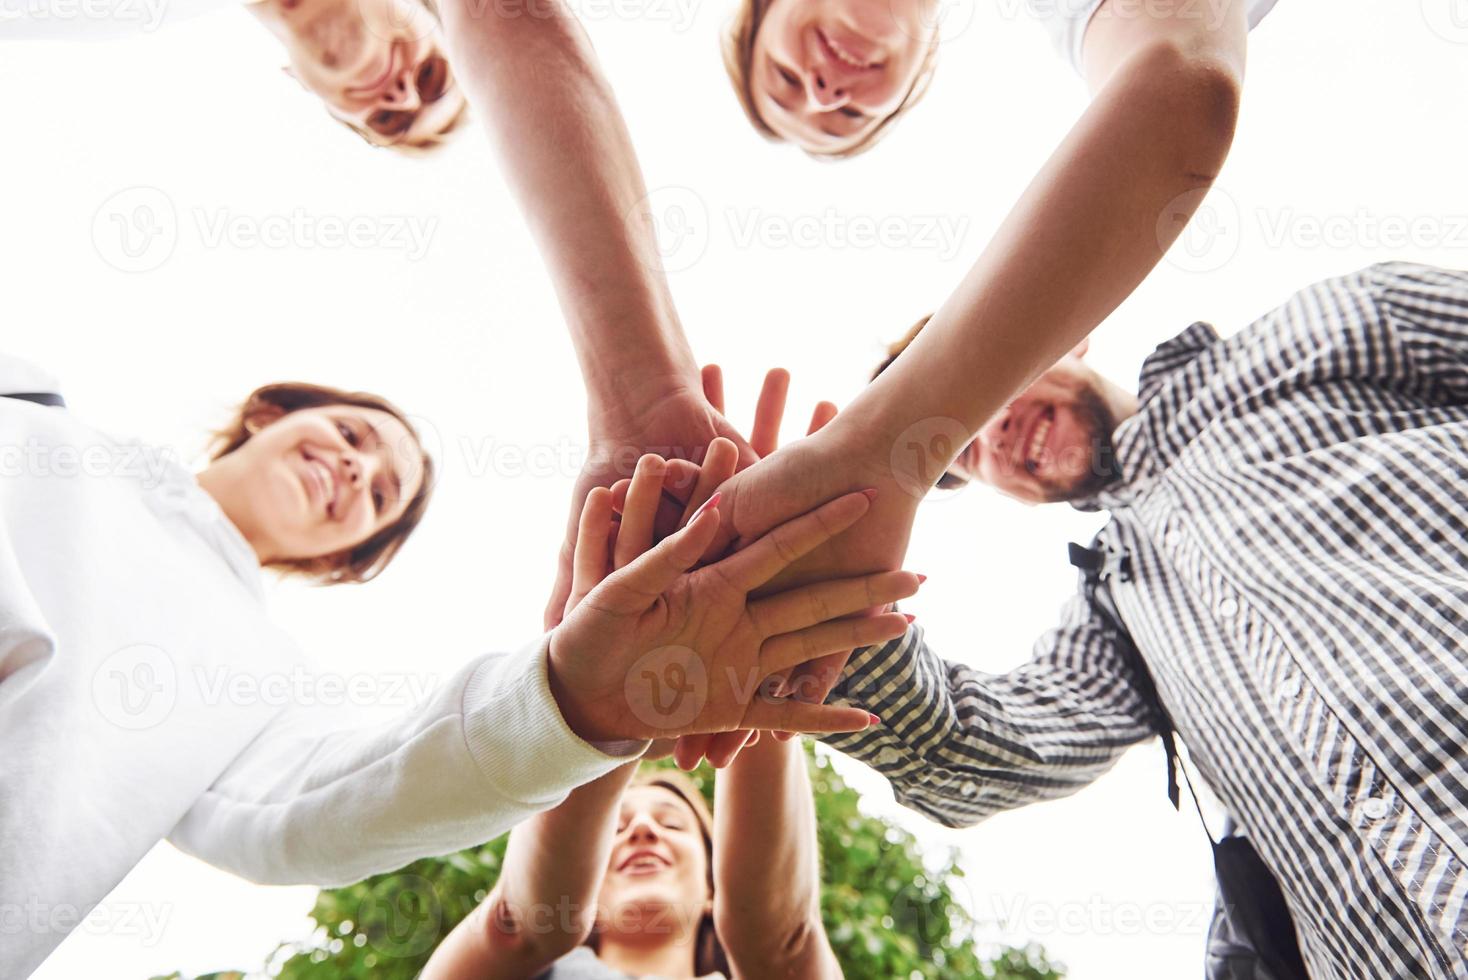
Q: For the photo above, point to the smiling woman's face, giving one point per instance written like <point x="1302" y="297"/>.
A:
<point x="377" y="64"/>
<point x="824" y="74"/>
<point x="658" y="863"/>
<point x="320" y="481"/>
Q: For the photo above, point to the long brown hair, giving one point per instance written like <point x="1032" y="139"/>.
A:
<point x="708" y="955"/>
<point x="738" y="49"/>
<point x="366" y="560"/>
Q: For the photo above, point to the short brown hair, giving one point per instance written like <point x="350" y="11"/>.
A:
<point x="366" y="560"/>
<point x="738" y="46"/>
<point x="949" y="480"/>
<point x="708" y="953"/>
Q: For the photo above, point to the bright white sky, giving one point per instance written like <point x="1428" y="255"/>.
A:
<point x="1351" y="150"/>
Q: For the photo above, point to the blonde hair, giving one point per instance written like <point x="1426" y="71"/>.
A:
<point x="738" y="48"/>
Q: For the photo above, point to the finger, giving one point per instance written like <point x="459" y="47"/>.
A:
<point x="719" y="464"/>
<point x="555" y="607"/>
<point x="825" y="412"/>
<point x="769" y="412"/>
<point x="792" y="649"/>
<point x="679" y="480"/>
<point x="713" y="386"/>
<point x="660" y="748"/>
<point x="593" y="541"/>
<point x="797" y="716"/>
<point x="813" y="681"/>
<point x="632" y="588"/>
<point x="619" y="495"/>
<point x="635" y="535"/>
<point x="806" y="606"/>
<point x="688" y="753"/>
<point x="769" y="555"/>
<point x="727" y="745"/>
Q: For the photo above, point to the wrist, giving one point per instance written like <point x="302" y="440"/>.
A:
<point x="575" y="708"/>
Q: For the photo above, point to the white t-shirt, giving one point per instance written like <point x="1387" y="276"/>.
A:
<point x="1066" y="20"/>
<point x="144" y="694"/>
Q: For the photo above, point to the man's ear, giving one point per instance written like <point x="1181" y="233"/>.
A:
<point x="1079" y="350"/>
<point x="261" y="414"/>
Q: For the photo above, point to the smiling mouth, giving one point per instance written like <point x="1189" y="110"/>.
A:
<point x="643" y="863"/>
<point x="324" y="480"/>
<point x="844" y="55"/>
<point x="1034" y="446"/>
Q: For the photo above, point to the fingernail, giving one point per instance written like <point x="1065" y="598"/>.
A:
<point x="909" y="617"/>
<point x="870" y="493"/>
<point x="872" y="720"/>
<point x="706" y="505"/>
<point x="922" y="579"/>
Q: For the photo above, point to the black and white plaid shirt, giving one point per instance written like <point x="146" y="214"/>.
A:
<point x="1294" y="500"/>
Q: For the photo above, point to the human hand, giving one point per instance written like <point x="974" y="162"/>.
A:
<point x="651" y="628"/>
<point x="676" y="423"/>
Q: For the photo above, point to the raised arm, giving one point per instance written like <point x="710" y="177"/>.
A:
<point x="767" y="880"/>
<point x="959" y="745"/>
<point x="544" y="904"/>
<point x="1093" y="223"/>
<point x="532" y="79"/>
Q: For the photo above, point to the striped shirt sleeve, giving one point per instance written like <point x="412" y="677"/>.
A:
<point x="1427" y="311"/>
<point x="959" y="745"/>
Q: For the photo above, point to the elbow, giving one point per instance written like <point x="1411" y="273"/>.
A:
<point x="759" y="950"/>
<point x="1197" y="95"/>
<point x="536" y="935"/>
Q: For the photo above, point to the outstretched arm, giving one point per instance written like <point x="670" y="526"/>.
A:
<point x="767" y="880"/>
<point x="1093" y="223"/>
<point x="959" y="745"/>
<point x="533" y="80"/>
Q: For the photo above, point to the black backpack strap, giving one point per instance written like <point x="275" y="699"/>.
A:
<point x="1099" y="564"/>
<point x="39" y="397"/>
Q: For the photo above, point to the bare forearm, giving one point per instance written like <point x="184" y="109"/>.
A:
<point x="532" y="79"/>
<point x="766" y="866"/>
<point x="1091" y="226"/>
<point x="545" y="900"/>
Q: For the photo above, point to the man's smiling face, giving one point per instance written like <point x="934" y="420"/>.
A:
<point x="1052" y="443"/>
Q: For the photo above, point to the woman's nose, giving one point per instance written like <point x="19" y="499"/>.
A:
<point x="822" y="93"/>
<point x="352" y="466"/>
<point x="402" y="93"/>
<point x="642" y="828"/>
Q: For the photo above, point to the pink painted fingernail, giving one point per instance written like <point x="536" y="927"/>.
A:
<point x="922" y="579"/>
<point x="870" y="493"/>
<point x="872" y="720"/>
<point x="910" y="618"/>
<point x="708" y="504"/>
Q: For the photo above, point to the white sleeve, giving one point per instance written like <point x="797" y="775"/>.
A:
<point x="486" y="750"/>
<point x="1066" y="22"/>
<point x="21" y="377"/>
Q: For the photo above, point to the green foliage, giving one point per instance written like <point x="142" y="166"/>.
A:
<point x="888" y="916"/>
